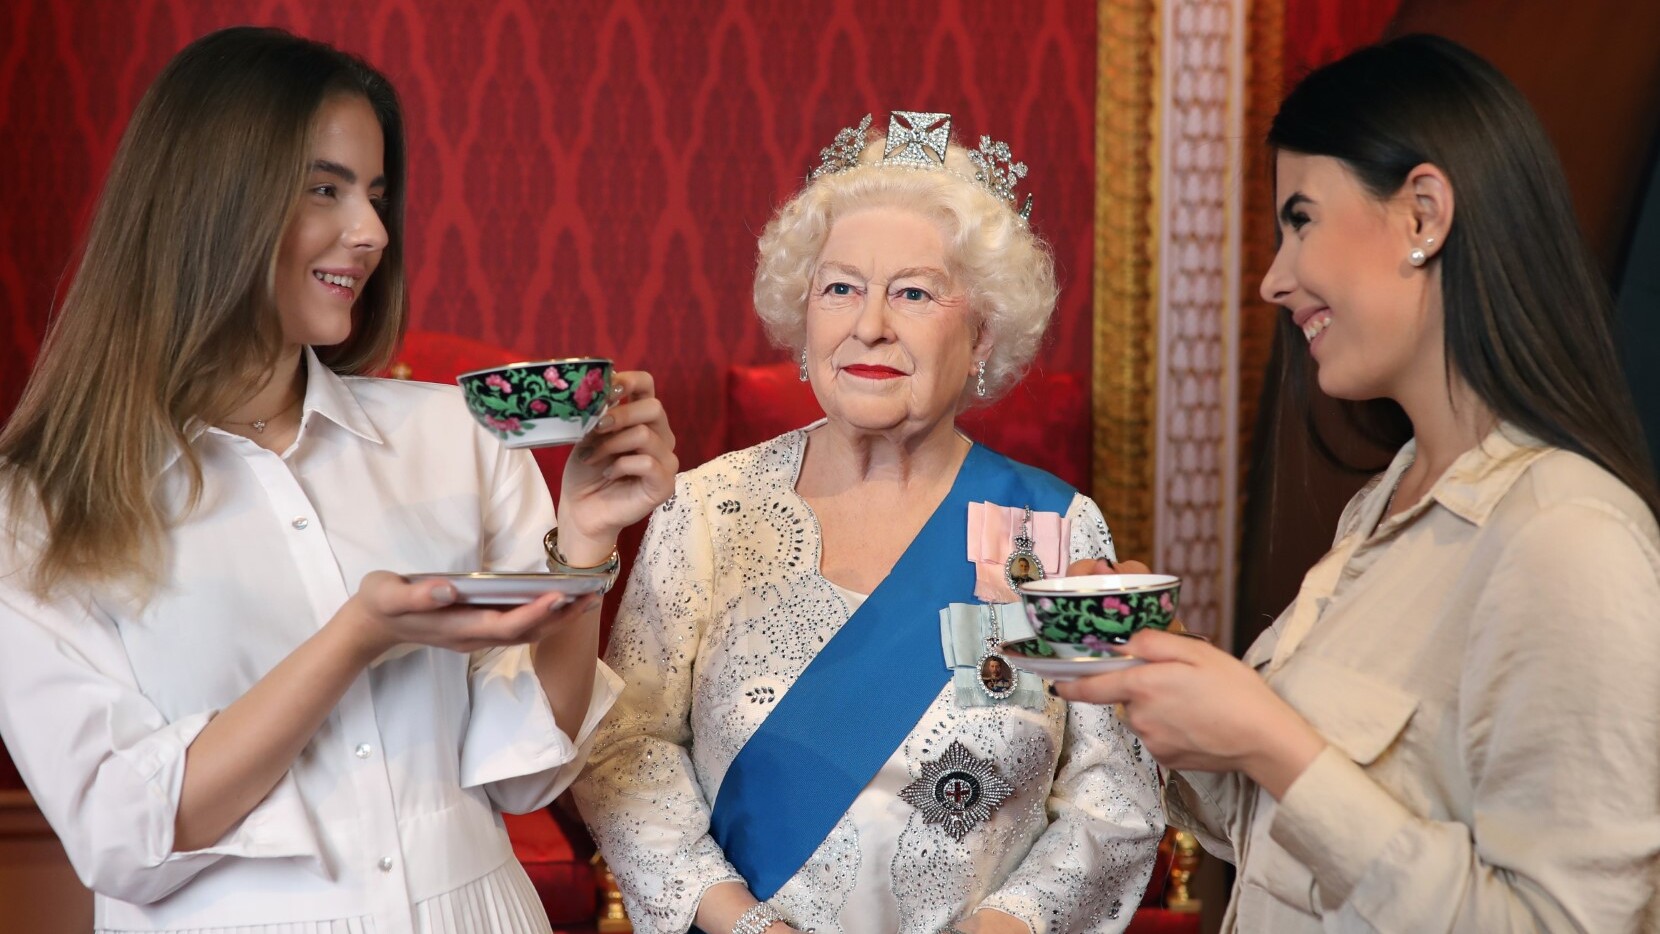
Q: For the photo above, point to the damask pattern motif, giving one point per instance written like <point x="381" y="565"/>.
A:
<point x="1199" y="241"/>
<point x="588" y="177"/>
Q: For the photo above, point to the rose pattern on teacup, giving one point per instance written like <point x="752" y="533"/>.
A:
<point x="509" y="402"/>
<point x="1099" y="623"/>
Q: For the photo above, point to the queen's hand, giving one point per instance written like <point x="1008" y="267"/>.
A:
<point x="618" y="474"/>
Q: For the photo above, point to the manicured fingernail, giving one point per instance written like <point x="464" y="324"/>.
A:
<point x="617" y="391"/>
<point x="443" y="594"/>
<point x="605" y="423"/>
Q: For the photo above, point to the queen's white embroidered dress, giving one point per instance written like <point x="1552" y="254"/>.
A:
<point x="724" y="610"/>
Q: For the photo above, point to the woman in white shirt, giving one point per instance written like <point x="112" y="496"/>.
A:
<point x="223" y="732"/>
<point x="1456" y="725"/>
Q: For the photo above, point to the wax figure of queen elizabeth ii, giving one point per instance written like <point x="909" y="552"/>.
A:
<point x="818" y="732"/>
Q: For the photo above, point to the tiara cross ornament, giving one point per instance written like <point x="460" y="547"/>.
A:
<point x="918" y="140"/>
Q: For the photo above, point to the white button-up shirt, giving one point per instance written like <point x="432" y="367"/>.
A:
<point x="393" y="804"/>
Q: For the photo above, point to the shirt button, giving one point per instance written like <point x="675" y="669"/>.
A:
<point x="300" y="522"/>
<point x="386" y="864"/>
<point x="363" y="750"/>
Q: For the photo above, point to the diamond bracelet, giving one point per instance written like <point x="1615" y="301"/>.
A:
<point x="757" y="919"/>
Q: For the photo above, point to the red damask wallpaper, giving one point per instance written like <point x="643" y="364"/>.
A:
<point x="587" y="177"/>
<point x="1321" y="31"/>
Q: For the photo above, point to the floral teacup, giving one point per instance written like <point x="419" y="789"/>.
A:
<point x="1093" y="616"/>
<point x="540" y="403"/>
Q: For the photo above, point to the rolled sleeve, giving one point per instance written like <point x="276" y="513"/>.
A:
<point x="105" y="766"/>
<point x="1334" y="799"/>
<point x="513" y="746"/>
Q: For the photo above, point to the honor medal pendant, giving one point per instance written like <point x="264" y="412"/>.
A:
<point x="997" y="676"/>
<point x="1023" y="565"/>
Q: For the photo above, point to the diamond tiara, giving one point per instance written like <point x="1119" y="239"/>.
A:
<point x="918" y="140"/>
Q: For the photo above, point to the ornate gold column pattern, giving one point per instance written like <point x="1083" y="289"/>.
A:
<point x="1125" y="393"/>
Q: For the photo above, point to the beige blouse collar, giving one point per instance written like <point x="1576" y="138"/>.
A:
<point x="1471" y="487"/>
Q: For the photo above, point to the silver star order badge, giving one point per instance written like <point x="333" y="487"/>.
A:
<point x="958" y="790"/>
<point x="915" y="135"/>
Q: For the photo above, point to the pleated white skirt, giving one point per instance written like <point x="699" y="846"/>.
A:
<point x="501" y="902"/>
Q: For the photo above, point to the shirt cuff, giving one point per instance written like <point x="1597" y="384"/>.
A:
<point x="511" y="731"/>
<point x="279" y="826"/>
<point x="1336" y="820"/>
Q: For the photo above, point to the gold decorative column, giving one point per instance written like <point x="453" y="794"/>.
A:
<point x="1126" y="307"/>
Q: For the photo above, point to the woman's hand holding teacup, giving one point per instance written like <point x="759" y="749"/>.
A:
<point x="618" y="473"/>
<point x="1197" y="707"/>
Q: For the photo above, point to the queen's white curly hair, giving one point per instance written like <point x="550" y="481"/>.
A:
<point x="992" y="256"/>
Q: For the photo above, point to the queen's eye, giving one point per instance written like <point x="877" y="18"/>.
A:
<point x="914" y="294"/>
<point x="838" y="288"/>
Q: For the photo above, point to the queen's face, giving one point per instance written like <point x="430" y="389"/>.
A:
<point x="1342" y="270"/>
<point x="336" y="236"/>
<point x="890" y="339"/>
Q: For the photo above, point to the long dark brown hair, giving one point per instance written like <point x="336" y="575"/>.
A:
<point x="169" y="320"/>
<point x="1528" y="317"/>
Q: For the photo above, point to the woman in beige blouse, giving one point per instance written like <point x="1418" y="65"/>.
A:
<point x="1456" y="726"/>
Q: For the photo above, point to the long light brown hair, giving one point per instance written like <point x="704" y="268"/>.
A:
<point x="169" y="321"/>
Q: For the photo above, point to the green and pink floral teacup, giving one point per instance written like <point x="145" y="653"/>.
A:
<point x="1093" y="616"/>
<point x="540" y="403"/>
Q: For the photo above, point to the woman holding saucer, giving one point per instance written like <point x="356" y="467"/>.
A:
<point x="235" y="717"/>
<point x="1456" y="726"/>
<point x="817" y="731"/>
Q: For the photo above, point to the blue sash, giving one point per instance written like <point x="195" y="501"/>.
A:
<point x="865" y="690"/>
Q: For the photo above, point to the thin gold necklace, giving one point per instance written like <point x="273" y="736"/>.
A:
<point x="258" y="424"/>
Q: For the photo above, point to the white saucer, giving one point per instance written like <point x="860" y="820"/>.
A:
<point x="514" y="589"/>
<point x="1065" y="669"/>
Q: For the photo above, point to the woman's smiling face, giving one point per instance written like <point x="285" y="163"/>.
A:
<point x="336" y="237"/>
<point x="1342" y="271"/>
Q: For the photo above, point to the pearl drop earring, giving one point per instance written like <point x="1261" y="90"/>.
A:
<point x="1419" y="256"/>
